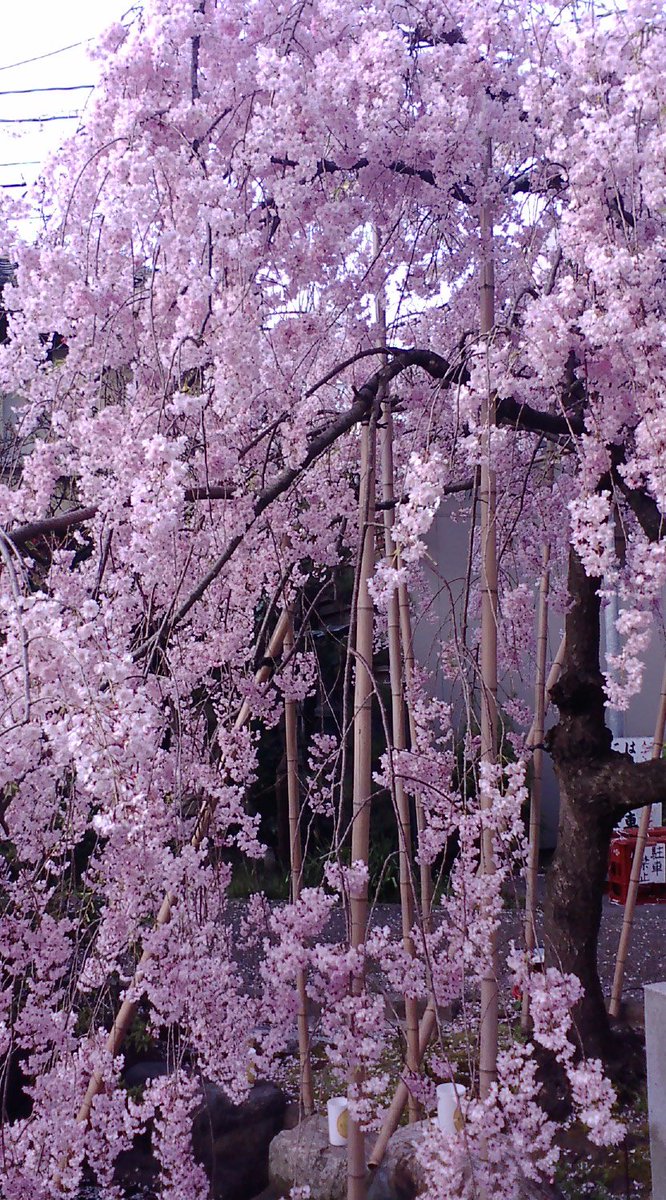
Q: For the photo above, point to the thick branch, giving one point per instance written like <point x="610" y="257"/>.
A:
<point x="60" y="524"/>
<point x="436" y="366"/>
<point x="521" y="417"/>
<point x="526" y="419"/>
<point x="644" y="508"/>
<point x="74" y="517"/>
<point x="328" y="166"/>
<point x="626" y="784"/>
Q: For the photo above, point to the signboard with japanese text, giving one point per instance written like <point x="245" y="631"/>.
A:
<point x="640" y="749"/>
<point x="653" y="869"/>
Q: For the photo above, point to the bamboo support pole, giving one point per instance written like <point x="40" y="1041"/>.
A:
<point x="129" y="1006"/>
<point x="427" y="1027"/>
<point x="537" y="770"/>
<point x="399" y="743"/>
<point x="487" y="504"/>
<point x="398" y="738"/>
<point x="362" y="775"/>
<point x="636" y="864"/>
<point x="408" y="659"/>
<point x="428" y="1021"/>
<point x="553" y="676"/>
<point x="296" y="865"/>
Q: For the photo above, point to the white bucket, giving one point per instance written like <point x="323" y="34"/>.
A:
<point x="449" y="1114"/>
<point x="337" y="1121"/>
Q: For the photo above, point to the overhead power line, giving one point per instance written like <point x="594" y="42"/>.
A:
<point x="38" y="120"/>
<point x="74" y="87"/>
<point x="40" y="57"/>
<point x="25" y="162"/>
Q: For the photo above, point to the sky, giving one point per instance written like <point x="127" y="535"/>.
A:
<point x="32" y="29"/>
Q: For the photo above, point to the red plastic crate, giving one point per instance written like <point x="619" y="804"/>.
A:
<point x="652" y="889"/>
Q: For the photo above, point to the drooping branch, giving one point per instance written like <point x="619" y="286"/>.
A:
<point x="488" y="1023"/>
<point x="129" y="1007"/>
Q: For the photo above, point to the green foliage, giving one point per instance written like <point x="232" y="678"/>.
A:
<point x="250" y="876"/>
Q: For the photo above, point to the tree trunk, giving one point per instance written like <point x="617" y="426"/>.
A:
<point x="573" y="913"/>
<point x="580" y="745"/>
<point x="597" y="787"/>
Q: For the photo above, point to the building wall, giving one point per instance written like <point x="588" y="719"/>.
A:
<point x="448" y="544"/>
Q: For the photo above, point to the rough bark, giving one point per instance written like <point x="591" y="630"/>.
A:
<point x="597" y="786"/>
<point x="573" y="913"/>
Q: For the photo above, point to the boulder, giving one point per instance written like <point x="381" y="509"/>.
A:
<point x="302" y="1156"/>
<point x="141" y="1073"/>
<point x="400" y="1175"/>
<point x="231" y="1141"/>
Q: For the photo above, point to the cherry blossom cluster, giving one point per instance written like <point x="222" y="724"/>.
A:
<point x="204" y="247"/>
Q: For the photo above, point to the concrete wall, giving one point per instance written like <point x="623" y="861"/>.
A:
<point x="448" y="544"/>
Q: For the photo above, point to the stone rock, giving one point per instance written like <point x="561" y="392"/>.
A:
<point x="400" y="1175"/>
<point x="136" y="1169"/>
<point x="268" y="1193"/>
<point x="231" y="1141"/>
<point x="303" y="1156"/>
<point x="292" y="1115"/>
<point x="141" y="1073"/>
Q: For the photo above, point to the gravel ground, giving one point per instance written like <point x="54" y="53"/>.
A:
<point x="646" y="961"/>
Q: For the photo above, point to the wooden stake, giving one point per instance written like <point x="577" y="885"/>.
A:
<point x="487" y="502"/>
<point x="399" y="743"/>
<point x="636" y="864"/>
<point x="408" y="658"/>
<point x="362" y="778"/>
<point x="553" y="676"/>
<point x="296" y="864"/>
<point x="398" y="717"/>
<point x="128" y="1008"/>
<point x="392" y="1119"/>
<point x="537" y="770"/>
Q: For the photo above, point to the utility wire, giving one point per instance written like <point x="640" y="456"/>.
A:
<point x="40" y="57"/>
<point x="76" y="87"/>
<point x="38" y="120"/>
<point x="25" y="162"/>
